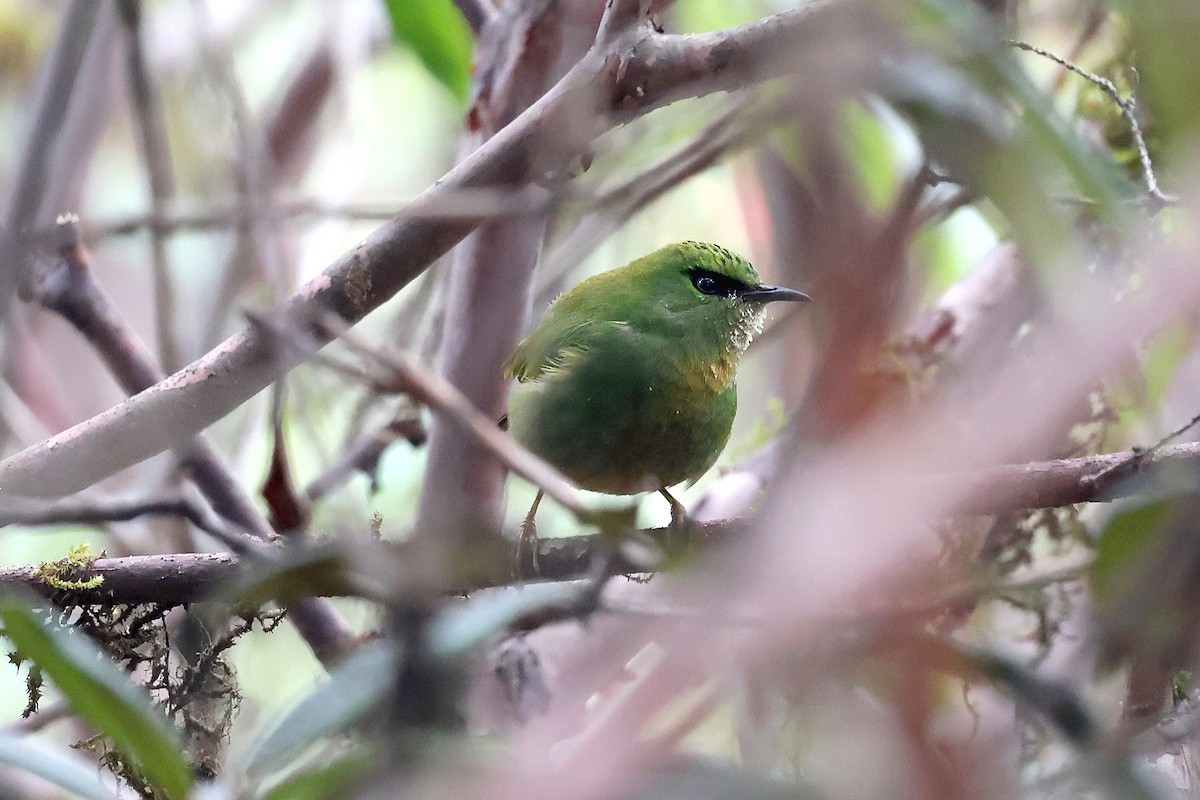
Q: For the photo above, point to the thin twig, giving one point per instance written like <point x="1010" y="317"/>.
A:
<point x="1137" y="455"/>
<point x="1128" y="106"/>
<point x="105" y="511"/>
<point x="258" y="236"/>
<point x="364" y="452"/>
<point x="465" y="204"/>
<point x="728" y="132"/>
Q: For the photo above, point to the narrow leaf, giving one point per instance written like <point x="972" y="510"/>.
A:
<point x="102" y="695"/>
<point x="353" y="688"/>
<point x="65" y="770"/>
<point x="331" y="780"/>
<point x="467" y="625"/>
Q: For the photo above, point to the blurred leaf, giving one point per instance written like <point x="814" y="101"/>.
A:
<point x="63" y="769"/>
<point x="711" y="15"/>
<point x="441" y="38"/>
<point x="331" y="780"/>
<point x="353" y="689"/>
<point x="871" y="153"/>
<point x="1141" y="394"/>
<point x="320" y="571"/>
<point x="1163" y="357"/>
<point x="463" y="627"/>
<point x="100" y="693"/>
<point x="1128" y="538"/>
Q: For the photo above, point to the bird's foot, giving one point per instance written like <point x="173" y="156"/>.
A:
<point x="527" y="540"/>
<point x="679" y="515"/>
<point x="679" y="532"/>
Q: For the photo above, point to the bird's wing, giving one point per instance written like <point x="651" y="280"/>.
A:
<point x="547" y="349"/>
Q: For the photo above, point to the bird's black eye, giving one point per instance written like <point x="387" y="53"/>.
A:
<point x="714" y="283"/>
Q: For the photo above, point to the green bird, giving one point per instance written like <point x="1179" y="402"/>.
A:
<point x="627" y="384"/>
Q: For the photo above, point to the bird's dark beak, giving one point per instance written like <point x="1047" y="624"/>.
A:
<point x="769" y="294"/>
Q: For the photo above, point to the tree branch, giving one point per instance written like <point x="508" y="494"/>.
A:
<point x="603" y="90"/>
<point x="522" y="53"/>
<point x="69" y="289"/>
<point x="477" y="13"/>
<point x="168" y="580"/>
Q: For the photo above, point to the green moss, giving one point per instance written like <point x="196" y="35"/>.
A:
<point x="68" y="574"/>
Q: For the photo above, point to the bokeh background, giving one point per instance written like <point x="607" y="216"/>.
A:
<point x="908" y="149"/>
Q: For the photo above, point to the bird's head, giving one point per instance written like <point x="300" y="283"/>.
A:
<point x="710" y="288"/>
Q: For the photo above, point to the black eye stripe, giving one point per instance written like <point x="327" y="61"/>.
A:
<point x="714" y="283"/>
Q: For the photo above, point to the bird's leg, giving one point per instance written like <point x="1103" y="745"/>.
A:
<point x="528" y="537"/>
<point x="678" y="512"/>
<point x="681" y="523"/>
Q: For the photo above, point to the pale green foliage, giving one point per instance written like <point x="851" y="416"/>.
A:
<point x="437" y="33"/>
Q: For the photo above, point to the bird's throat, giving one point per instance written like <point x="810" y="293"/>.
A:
<point x="714" y="370"/>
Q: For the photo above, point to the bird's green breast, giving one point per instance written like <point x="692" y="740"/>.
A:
<point x="622" y="410"/>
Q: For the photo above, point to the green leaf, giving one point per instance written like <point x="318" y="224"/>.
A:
<point x="102" y="695"/>
<point x="63" y="769"/>
<point x="353" y="689"/>
<point x="1128" y="538"/>
<point x="440" y="37"/>
<point x="331" y="780"/>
